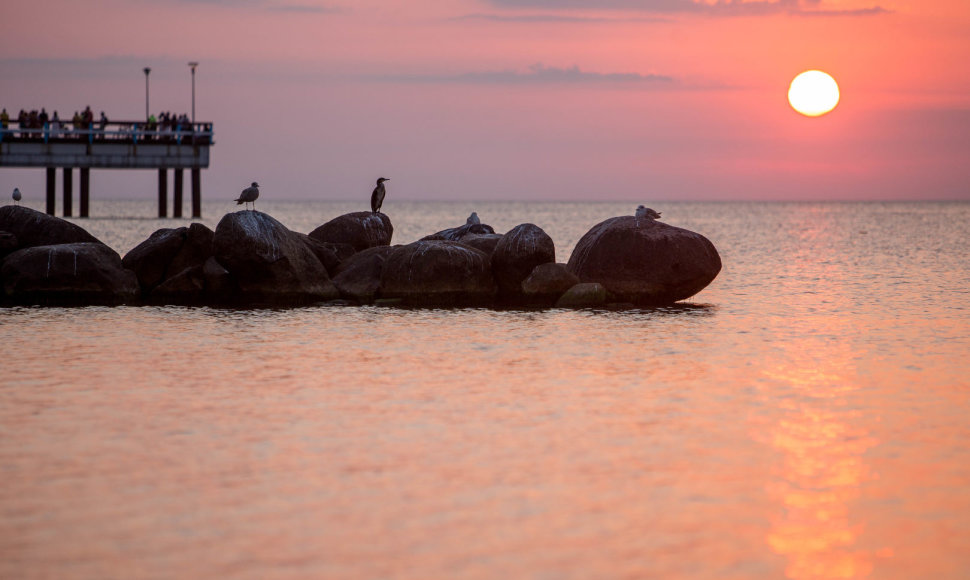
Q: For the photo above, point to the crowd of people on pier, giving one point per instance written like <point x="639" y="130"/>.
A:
<point x="37" y="125"/>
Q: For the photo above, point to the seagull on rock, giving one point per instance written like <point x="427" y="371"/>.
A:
<point x="473" y="220"/>
<point x="646" y="212"/>
<point x="248" y="195"/>
<point x="16" y="195"/>
<point x="377" y="196"/>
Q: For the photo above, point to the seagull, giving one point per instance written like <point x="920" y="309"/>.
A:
<point x="646" y="212"/>
<point x="377" y="196"/>
<point x="248" y="195"/>
<point x="473" y="220"/>
<point x="16" y="195"/>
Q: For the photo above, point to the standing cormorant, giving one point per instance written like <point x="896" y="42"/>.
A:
<point x="248" y="195"/>
<point x="16" y="195"/>
<point x="377" y="196"/>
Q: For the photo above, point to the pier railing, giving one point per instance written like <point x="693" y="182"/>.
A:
<point x="113" y="131"/>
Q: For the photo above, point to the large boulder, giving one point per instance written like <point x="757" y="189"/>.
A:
<point x="73" y="274"/>
<point x="168" y="252"/>
<point x="518" y="253"/>
<point x="33" y="228"/>
<point x="362" y="230"/>
<point x="644" y="261"/>
<point x="359" y="277"/>
<point x="268" y="262"/>
<point x="438" y="273"/>
<point x="548" y="282"/>
<point x="196" y="249"/>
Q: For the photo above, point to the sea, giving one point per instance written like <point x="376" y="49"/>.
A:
<point x="806" y="416"/>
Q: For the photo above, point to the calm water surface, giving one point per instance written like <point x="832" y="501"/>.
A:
<point x="805" y="417"/>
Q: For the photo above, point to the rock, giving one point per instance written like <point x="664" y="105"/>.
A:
<point x="186" y="287"/>
<point x="70" y="274"/>
<point x="456" y="234"/>
<point x="645" y="261"/>
<point x="483" y="242"/>
<point x="583" y="295"/>
<point x="268" y="262"/>
<point x="8" y="243"/>
<point x="330" y="254"/>
<point x="518" y="253"/>
<point x="359" y="277"/>
<point x="219" y="284"/>
<point x="362" y="230"/>
<point x="548" y="282"/>
<point x="33" y="228"/>
<point x="196" y="249"/>
<point x="438" y="273"/>
<point x="149" y="260"/>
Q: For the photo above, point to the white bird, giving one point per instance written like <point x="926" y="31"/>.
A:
<point x="646" y="212"/>
<point x="473" y="220"/>
<point x="16" y="195"/>
<point x="248" y="195"/>
<point x="377" y="196"/>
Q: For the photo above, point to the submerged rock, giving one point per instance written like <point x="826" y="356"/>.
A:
<point x="70" y="274"/>
<point x="584" y="295"/>
<point x="33" y="228"/>
<point x="644" y="261"/>
<point x="268" y="262"/>
<point x="548" y="282"/>
<point x="362" y="230"/>
<point x="438" y="273"/>
<point x="518" y="253"/>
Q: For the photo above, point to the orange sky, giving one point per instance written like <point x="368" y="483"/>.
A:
<point x="510" y="99"/>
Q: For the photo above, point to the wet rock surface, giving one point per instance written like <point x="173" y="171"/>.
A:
<point x="439" y="273"/>
<point x="644" y="261"/>
<point x="548" y="282"/>
<point x="69" y="274"/>
<point x="361" y="230"/>
<point x="34" y="228"/>
<point x="359" y="277"/>
<point x="268" y="262"/>
<point x="518" y="253"/>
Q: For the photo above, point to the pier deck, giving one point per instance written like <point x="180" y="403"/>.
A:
<point x="115" y="145"/>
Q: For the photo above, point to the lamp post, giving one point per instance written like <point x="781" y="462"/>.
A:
<point x="193" y="65"/>
<point x="147" y="70"/>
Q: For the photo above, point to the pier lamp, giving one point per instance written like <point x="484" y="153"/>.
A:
<point x="147" y="70"/>
<point x="192" y="65"/>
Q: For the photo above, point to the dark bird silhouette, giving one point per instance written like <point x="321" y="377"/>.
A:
<point x="248" y="195"/>
<point x="377" y="196"/>
<point x="16" y="195"/>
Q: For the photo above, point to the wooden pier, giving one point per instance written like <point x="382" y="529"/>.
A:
<point x="114" y="145"/>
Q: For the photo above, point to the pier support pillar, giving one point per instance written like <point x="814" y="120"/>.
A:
<point x="68" y="191"/>
<point x="177" y="194"/>
<point x="196" y="193"/>
<point x="85" y="191"/>
<point x="51" y="189"/>
<point x="162" y="193"/>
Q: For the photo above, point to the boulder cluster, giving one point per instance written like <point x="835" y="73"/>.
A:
<point x="251" y="259"/>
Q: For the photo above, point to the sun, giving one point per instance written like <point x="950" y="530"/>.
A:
<point x="813" y="93"/>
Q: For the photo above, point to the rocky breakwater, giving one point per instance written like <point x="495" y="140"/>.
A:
<point x="50" y="261"/>
<point x="645" y="262"/>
